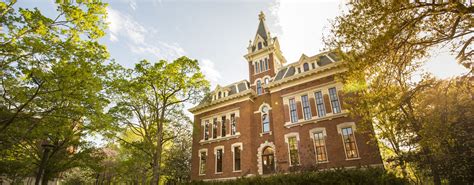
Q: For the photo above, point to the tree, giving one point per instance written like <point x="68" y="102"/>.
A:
<point x="148" y="99"/>
<point x="383" y="44"/>
<point x="52" y="74"/>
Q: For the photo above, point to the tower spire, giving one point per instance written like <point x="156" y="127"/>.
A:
<point x="261" y="16"/>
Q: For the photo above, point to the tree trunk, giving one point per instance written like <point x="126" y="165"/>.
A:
<point x="157" y="156"/>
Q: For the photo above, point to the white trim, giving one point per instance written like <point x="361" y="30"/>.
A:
<point x="199" y="155"/>
<point x="239" y="144"/>
<point x="260" y="107"/>
<point x="302" y="106"/>
<point x="228" y="137"/>
<point x="259" y="155"/>
<point x="215" y="159"/>
<point x="338" y="100"/>
<point x="339" y="131"/>
<point x="311" y="135"/>
<point x="297" y="135"/>
<point x="317" y="119"/>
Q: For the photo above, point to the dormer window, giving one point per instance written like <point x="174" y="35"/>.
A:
<point x="219" y="95"/>
<point x="305" y="67"/>
<point x="259" y="45"/>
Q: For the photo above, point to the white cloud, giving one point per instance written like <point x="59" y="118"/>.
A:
<point x="123" y="27"/>
<point x="208" y="69"/>
<point x="132" y="4"/>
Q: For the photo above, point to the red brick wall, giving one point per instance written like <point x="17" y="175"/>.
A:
<point x="250" y="127"/>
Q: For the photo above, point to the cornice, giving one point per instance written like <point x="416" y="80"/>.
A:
<point x="244" y="95"/>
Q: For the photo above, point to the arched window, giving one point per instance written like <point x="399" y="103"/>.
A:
<point x="259" y="45"/>
<point x="265" y="119"/>
<point x="259" y="87"/>
<point x="266" y="81"/>
<point x="305" y="67"/>
<point x="219" y="95"/>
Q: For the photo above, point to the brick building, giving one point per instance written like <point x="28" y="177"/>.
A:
<point x="287" y="116"/>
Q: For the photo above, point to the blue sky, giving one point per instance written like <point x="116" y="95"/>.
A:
<point x="217" y="32"/>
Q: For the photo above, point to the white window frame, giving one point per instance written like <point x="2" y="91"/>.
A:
<point x="297" y="135"/>
<point x="311" y="135"/>
<point x="339" y="131"/>
<point x="233" y="155"/>
<point x="296" y="110"/>
<point x="215" y="159"/>
<point x="302" y="107"/>
<point x="200" y="164"/>
<point x="330" y="101"/>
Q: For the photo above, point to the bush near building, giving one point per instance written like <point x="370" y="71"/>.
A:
<point x="369" y="176"/>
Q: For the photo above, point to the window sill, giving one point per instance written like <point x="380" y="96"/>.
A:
<point x="220" y="139"/>
<point x="202" y="174"/>
<point x="316" y="119"/>
<point x="237" y="171"/>
<point x="217" y="173"/>
<point x="351" y="159"/>
<point x="265" y="133"/>
<point x="322" y="162"/>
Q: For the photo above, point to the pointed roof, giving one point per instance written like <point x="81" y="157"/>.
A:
<point x="262" y="29"/>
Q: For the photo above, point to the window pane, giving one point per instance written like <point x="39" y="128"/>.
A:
<point x="349" y="143"/>
<point x="320" y="104"/>
<point x="214" y="128"/>
<point x="320" y="146"/>
<point x="219" y="160"/>
<point x="306" y="108"/>
<point x="237" y="158"/>
<point x="293" y="114"/>
<point x="206" y="130"/>
<point x="233" y="125"/>
<point x="202" y="168"/>
<point x="293" y="148"/>
<point x="305" y="66"/>
<point x="336" y="107"/>
<point x="223" y="126"/>
<point x="259" y="87"/>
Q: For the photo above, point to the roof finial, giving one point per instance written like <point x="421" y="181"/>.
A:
<point x="261" y="16"/>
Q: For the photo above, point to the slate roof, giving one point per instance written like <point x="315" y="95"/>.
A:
<point x="320" y="59"/>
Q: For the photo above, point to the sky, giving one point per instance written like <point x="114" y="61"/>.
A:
<point x="217" y="32"/>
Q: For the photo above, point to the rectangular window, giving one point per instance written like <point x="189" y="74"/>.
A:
<point x="259" y="87"/>
<point x="293" y="148"/>
<point x="320" y="147"/>
<point x="233" y="126"/>
<point x="237" y="158"/>
<point x="202" y="163"/>
<point x="223" y="127"/>
<point x="320" y="104"/>
<point x="219" y="161"/>
<point x="349" y="143"/>
<point x="214" y="128"/>
<point x="336" y="107"/>
<point x="306" y="108"/>
<point x="256" y="68"/>
<point x="266" y="64"/>
<point x="261" y="66"/>
<point x="293" y="114"/>
<point x="206" y="130"/>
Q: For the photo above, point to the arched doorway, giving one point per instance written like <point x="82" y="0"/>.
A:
<point x="268" y="160"/>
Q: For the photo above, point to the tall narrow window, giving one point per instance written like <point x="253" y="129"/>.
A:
<point x="305" y="67"/>
<point x="219" y="160"/>
<point x="262" y="67"/>
<point x="237" y="158"/>
<point x="266" y="63"/>
<point x="306" y="108"/>
<point x="320" y="104"/>
<point x="202" y="163"/>
<point x="265" y="119"/>
<point x="259" y="87"/>
<point x="293" y="148"/>
<point x="349" y="143"/>
<point x="233" y="125"/>
<point x="220" y="95"/>
<point x="256" y="67"/>
<point x="206" y="130"/>
<point x="336" y="107"/>
<point x="214" y="128"/>
<point x="293" y="114"/>
<point x="320" y="147"/>
<point x="223" y="127"/>
<point x="259" y="45"/>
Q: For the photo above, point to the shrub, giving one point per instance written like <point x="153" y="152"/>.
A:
<point x="369" y="176"/>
